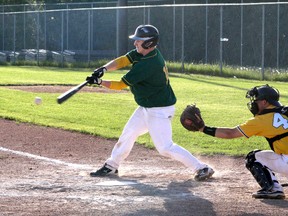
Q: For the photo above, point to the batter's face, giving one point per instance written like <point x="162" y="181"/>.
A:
<point x="138" y="45"/>
<point x="139" y="48"/>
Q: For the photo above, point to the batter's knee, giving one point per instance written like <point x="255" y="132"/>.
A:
<point x="165" y="150"/>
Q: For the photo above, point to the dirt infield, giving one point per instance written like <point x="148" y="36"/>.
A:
<point x="45" y="171"/>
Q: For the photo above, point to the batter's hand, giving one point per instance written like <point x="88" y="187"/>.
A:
<point x="93" y="80"/>
<point x="99" y="72"/>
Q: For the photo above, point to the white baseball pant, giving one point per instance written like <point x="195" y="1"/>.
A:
<point x="277" y="163"/>
<point x="156" y="121"/>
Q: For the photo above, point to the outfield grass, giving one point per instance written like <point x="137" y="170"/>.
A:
<point x="222" y="101"/>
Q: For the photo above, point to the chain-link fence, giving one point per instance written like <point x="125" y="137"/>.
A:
<point x="253" y="35"/>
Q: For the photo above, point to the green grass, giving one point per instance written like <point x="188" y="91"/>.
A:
<point x="222" y="101"/>
<point x="229" y="71"/>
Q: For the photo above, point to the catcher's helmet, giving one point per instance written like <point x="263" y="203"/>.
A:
<point x="265" y="92"/>
<point x="148" y="33"/>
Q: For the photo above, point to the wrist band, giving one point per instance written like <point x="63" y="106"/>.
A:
<point x="210" y="131"/>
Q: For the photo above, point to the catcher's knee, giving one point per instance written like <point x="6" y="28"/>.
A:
<point x="250" y="158"/>
<point x="259" y="172"/>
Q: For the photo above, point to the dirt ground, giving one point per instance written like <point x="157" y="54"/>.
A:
<point x="45" y="171"/>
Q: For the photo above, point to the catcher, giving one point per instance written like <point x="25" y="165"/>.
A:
<point x="270" y="121"/>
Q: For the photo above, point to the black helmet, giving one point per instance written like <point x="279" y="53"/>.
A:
<point x="148" y="33"/>
<point x="265" y="92"/>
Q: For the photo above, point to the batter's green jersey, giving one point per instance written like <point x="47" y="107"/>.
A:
<point x="148" y="79"/>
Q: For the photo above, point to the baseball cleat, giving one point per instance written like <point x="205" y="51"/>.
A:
<point x="104" y="171"/>
<point x="203" y="174"/>
<point x="268" y="194"/>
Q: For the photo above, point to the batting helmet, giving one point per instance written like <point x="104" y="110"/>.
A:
<point x="265" y="92"/>
<point x="147" y="33"/>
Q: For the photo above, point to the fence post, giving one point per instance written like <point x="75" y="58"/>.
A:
<point x="89" y="38"/>
<point x="221" y="41"/>
<point x="263" y="43"/>
<point x="62" y="38"/>
<point x="241" y="35"/>
<point x="92" y="29"/>
<point x="122" y="29"/>
<point x="183" y="42"/>
<point x="144" y="13"/>
<point x="24" y="27"/>
<point x="38" y="37"/>
<point x="14" y="37"/>
<point x="67" y="27"/>
<point x="3" y="28"/>
<point x="278" y="33"/>
<point x="206" y="33"/>
<point x="45" y="28"/>
<point x="174" y="32"/>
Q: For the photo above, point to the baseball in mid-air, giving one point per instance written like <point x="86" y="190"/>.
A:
<point x="38" y="100"/>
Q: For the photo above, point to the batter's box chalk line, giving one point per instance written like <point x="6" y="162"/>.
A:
<point x="116" y="183"/>
<point x="46" y="159"/>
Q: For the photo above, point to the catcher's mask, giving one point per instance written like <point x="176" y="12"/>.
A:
<point x="264" y="92"/>
<point x="147" y="33"/>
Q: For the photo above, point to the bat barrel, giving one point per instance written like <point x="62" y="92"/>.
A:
<point x="66" y="95"/>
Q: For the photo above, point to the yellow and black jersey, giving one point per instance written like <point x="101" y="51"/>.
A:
<point x="268" y="125"/>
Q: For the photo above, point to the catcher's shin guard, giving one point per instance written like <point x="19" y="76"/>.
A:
<point x="259" y="172"/>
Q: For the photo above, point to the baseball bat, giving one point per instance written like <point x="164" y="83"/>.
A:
<point x="68" y="94"/>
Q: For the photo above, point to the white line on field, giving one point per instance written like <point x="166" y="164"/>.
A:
<point x="49" y="160"/>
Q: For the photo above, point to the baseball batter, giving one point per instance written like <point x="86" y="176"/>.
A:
<point x="148" y="81"/>
<point x="270" y="121"/>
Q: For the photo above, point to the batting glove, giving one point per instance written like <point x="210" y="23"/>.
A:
<point x="99" y="72"/>
<point x="93" y="80"/>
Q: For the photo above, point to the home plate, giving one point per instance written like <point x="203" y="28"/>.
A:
<point x="116" y="183"/>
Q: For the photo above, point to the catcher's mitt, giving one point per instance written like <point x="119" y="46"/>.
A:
<point x="191" y="118"/>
